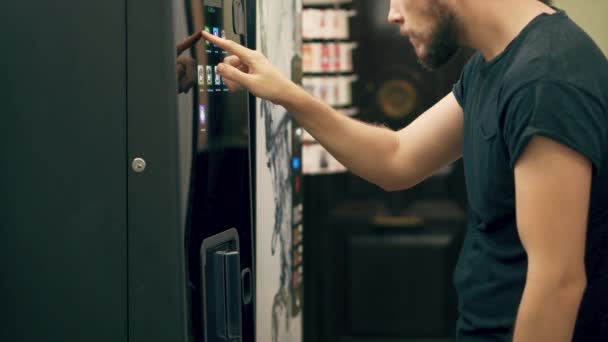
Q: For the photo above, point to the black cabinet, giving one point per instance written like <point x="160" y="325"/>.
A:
<point x="91" y="249"/>
<point x="377" y="275"/>
<point x="390" y="274"/>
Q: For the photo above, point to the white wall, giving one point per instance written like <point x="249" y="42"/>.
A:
<point x="591" y="15"/>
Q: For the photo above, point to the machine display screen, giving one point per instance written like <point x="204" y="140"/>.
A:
<point x="209" y="79"/>
<point x="212" y="90"/>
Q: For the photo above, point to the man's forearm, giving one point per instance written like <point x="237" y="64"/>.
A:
<point x="548" y="310"/>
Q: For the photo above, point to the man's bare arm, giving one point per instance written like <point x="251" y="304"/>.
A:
<point x="552" y="186"/>
<point x="392" y="160"/>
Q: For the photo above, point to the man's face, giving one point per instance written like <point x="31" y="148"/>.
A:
<point x="431" y="28"/>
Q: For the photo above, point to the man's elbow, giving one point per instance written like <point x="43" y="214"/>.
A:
<point x="396" y="185"/>
<point x="403" y="171"/>
<point x="569" y="282"/>
<point x="571" y="290"/>
<point x="573" y="285"/>
<point x="573" y="279"/>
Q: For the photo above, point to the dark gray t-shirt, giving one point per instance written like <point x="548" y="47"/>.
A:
<point x="551" y="81"/>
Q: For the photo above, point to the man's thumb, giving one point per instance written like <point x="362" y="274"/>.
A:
<point x="233" y="74"/>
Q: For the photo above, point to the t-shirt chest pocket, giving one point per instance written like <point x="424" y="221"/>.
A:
<point x="488" y="161"/>
<point x="488" y="128"/>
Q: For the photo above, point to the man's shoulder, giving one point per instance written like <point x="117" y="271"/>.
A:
<point x="559" y="51"/>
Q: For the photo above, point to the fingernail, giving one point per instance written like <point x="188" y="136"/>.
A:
<point x="220" y="67"/>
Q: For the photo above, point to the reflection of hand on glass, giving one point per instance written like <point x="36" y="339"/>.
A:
<point x="251" y="70"/>
<point x="185" y="64"/>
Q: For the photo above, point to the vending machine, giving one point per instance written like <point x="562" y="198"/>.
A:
<point x="244" y="233"/>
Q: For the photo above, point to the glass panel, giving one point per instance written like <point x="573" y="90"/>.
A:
<point x="220" y="197"/>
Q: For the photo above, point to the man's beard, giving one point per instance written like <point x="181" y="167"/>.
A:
<point x="443" y="43"/>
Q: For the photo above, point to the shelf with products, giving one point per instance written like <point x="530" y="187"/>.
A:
<point x="328" y="73"/>
<point x="334" y="90"/>
<point x="330" y="57"/>
<point x="326" y="23"/>
<point x="326" y="3"/>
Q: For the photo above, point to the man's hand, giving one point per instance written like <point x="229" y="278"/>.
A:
<point x="186" y="66"/>
<point x="251" y="70"/>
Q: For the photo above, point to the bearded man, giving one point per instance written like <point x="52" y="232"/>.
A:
<point x="529" y="117"/>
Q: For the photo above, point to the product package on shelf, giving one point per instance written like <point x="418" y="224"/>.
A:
<point x="316" y="160"/>
<point x="328" y="57"/>
<point x="325" y="24"/>
<point x="334" y="90"/>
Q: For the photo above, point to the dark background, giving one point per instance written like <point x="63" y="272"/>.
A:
<point x="379" y="265"/>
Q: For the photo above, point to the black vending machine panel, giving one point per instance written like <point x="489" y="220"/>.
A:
<point x="219" y="240"/>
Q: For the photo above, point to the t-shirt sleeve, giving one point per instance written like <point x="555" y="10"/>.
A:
<point x="460" y="86"/>
<point x="458" y="91"/>
<point x="558" y="111"/>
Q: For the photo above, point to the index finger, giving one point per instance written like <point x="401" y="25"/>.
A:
<point x="188" y="42"/>
<point x="236" y="49"/>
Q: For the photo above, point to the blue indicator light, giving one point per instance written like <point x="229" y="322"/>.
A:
<point x="295" y="163"/>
